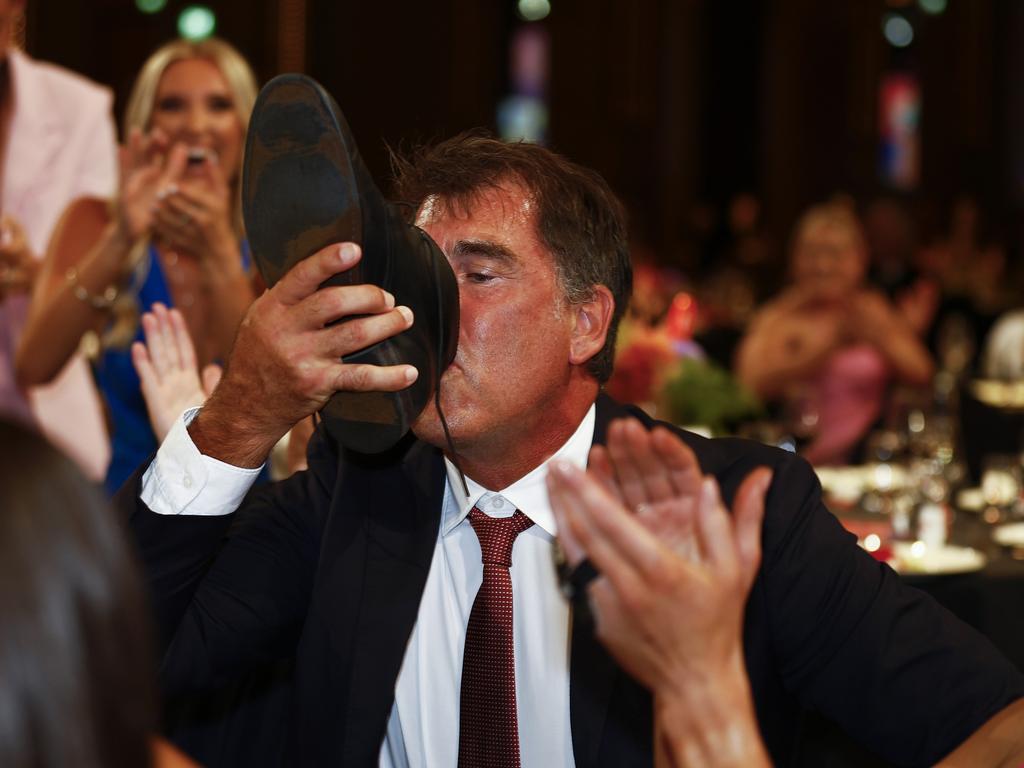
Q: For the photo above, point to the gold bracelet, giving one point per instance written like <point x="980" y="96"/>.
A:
<point x="104" y="301"/>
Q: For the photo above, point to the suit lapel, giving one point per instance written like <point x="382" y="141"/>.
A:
<point x="401" y="524"/>
<point x="592" y="671"/>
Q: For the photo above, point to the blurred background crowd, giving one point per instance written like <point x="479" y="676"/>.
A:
<point x="824" y="199"/>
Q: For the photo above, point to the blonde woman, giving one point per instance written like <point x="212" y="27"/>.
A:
<point x="828" y="345"/>
<point x="173" y="235"/>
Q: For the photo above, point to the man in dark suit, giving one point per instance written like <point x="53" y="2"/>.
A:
<point x="368" y="568"/>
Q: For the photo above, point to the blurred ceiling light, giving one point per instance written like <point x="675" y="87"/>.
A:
<point x="897" y="30"/>
<point x="934" y="7"/>
<point x="196" y="22"/>
<point x="522" y="118"/>
<point x="533" y="10"/>
<point x="150" y="6"/>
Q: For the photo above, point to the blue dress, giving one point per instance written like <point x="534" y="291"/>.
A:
<point x="132" y="439"/>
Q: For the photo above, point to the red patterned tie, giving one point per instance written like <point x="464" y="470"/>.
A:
<point x="488" y="729"/>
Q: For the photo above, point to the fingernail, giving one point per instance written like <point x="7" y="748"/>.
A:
<point x="348" y="253"/>
<point x="707" y="490"/>
<point x="406" y="313"/>
<point x="561" y="467"/>
<point x="411" y="374"/>
<point x="389" y="300"/>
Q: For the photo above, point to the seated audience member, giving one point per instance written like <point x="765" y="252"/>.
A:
<point x="173" y="235"/>
<point x="416" y="589"/>
<point x="828" y="347"/>
<point x="57" y="143"/>
<point x="892" y="242"/>
<point x="970" y="265"/>
<point x="77" y="678"/>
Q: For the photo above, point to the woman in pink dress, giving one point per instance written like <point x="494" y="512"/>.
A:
<point x="829" y="346"/>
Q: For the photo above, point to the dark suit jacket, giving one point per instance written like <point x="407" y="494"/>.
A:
<point x="330" y="565"/>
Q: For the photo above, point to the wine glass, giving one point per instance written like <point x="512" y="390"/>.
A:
<point x="1000" y="486"/>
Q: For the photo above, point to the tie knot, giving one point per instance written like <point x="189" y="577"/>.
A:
<point x="497" y="535"/>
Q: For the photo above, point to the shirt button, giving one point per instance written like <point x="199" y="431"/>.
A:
<point x="498" y="503"/>
<point x="187" y="481"/>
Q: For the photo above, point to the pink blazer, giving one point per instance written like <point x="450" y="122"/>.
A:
<point x="62" y="145"/>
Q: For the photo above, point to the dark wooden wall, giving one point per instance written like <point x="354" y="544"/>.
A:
<point x="677" y="102"/>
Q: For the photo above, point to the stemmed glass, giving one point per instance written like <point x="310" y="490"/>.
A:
<point x="1000" y="486"/>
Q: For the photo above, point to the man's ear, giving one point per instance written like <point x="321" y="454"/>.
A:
<point x="592" y="319"/>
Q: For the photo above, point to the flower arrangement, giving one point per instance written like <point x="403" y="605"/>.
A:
<point x="672" y="380"/>
<point x="700" y="392"/>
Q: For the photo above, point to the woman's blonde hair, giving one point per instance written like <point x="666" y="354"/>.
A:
<point x="139" y="114"/>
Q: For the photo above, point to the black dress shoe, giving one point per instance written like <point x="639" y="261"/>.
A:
<point x="304" y="186"/>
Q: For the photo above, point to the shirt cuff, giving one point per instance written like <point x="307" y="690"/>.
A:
<point x="182" y="481"/>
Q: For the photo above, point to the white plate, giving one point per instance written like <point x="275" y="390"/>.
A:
<point x="999" y="394"/>
<point x="1011" y="535"/>
<point x="910" y="558"/>
<point x="848" y="484"/>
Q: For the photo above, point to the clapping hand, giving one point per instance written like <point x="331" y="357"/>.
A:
<point x="147" y="166"/>
<point x="168" y="370"/>
<point x="676" y="570"/>
<point x="193" y="214"/>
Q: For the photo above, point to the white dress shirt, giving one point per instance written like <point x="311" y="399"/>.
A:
<point x="423" y="729"/>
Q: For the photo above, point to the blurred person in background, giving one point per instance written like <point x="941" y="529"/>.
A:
<point x="892" y="244"/>
<point x="828" y="346"/>
<point x="970" y="266"/>
<point x="77" y="672"/>
<point x="173" y="235"/>
<point x="57" y="143"/>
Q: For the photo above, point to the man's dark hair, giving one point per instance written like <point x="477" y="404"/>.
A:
<point x="77" y="677"/>
<point x="578" y="217"/>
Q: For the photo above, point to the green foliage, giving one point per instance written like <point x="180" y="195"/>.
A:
<point x="700" y="392"/>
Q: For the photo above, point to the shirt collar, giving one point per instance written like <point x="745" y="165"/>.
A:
<point x="529" y="493"/>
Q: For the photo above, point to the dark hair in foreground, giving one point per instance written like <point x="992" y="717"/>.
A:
<point x="76" y="672"/>
<point x="579" y="218"/>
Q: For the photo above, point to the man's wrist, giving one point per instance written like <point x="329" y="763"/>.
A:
<point x="228" y="436"/>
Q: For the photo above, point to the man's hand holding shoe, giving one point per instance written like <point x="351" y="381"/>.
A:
<point x="287" y="358"/>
